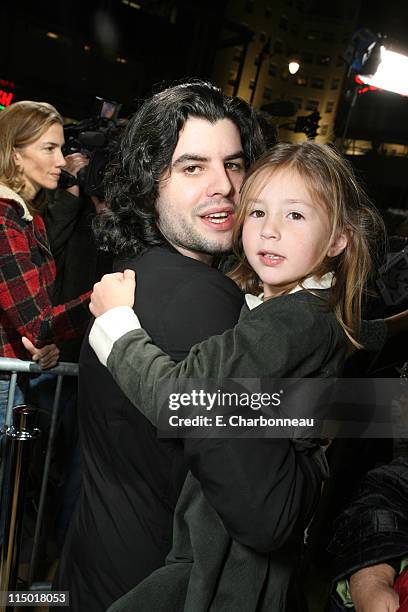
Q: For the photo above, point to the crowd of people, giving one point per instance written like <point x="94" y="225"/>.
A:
<point x="193" y="523"/>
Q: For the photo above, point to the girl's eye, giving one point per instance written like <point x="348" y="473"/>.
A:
<point x="257" y="213"/>
<point x="295" y="216"/>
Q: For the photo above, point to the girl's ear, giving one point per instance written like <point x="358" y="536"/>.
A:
<point x="338" y="245"/>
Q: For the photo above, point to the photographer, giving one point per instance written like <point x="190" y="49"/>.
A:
<point x="68" y="220"/>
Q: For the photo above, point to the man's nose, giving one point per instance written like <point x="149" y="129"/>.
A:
<point x="220" y="183"/>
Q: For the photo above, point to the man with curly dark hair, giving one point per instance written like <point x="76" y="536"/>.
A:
<point x="171" y="193"/>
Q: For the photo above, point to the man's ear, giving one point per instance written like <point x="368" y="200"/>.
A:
<point x="339" y="244"/>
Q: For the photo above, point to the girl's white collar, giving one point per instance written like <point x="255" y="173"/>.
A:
<point x="325" y="282"/>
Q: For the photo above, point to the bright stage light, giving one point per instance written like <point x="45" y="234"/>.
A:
<point x="391" y="74"/>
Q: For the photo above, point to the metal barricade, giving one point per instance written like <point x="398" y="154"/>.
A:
<point x="18" y="434"/>
<point x="17" y="449"/>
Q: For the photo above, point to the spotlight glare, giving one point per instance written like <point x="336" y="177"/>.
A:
<point x="391" y="74"/>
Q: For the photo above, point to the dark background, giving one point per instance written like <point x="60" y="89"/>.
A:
<point x="171" y="39"/>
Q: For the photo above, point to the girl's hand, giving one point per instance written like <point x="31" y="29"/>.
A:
<point x="117" y="289"/>
<point x="47" y="356"/>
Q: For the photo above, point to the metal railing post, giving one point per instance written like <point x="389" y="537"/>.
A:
<point x="18" y="440"/>
<point x="44" y="482"/>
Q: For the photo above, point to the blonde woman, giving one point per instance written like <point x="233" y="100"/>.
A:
<point x="31" y="137"/>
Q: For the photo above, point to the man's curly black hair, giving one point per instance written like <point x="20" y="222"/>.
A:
<point x="129" y="226"/>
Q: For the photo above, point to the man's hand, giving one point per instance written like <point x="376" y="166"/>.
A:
<point x="47" y="356"/>
<point x="117" y="289"/>
<point x="74" y="163"/>
<point x="371" y="589"/>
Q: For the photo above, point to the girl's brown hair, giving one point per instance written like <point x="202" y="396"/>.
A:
<point x="331" y="182"/>
<point x="21" y="124"/>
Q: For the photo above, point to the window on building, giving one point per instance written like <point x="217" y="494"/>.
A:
<point x="268" y="11"/>
<point x="58" y="38"/>
<point x="251" y="84"/>
<point x="284" y="23"/>
<point x="323" y="129"/>
<point x="328" y="36"/>
<point x="335" y="84"/>
<point x="249" y="6"/>
<point x="267" y="94"/>
<point x="306" y="57"/>
<point x="324" y="60"/>
<point x="278" y="47"/>
<point x="256" y="60"/>
<point x="273" y="70"/>
<point x="317" y="83"/>
<point x="298" y="103"/>
<point x="232" y="79"/>
<point x="329" y="106"/>
<point x="312" y="35"/>
<point x="301" y="81"/>
<point x="292" y="52"/>
<point x="339" y="61"/>
<point x="237" y="54"/>
<point x="294" y="28"/>
<point x="262" y="37"/>
<point x="312" y="105"/>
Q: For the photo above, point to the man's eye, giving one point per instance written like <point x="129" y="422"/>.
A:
<point x="235" y="166"/>
<point x="257" y="213"/>
<point x="192" y="169"/>
<point x="295" y="216"/>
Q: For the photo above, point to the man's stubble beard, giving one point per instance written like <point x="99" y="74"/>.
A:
<point x="182" y="234"/>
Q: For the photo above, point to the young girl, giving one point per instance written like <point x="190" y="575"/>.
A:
<point x="302" y="237"/>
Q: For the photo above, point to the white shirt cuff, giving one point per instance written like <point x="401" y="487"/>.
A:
<point x="109" y="327"/>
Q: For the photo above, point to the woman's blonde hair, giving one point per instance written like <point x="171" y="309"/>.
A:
<point x="331" y="182"/>
<point x="21" y="124"/>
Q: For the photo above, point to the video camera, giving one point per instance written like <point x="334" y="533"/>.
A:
<point x="97" y="138"/>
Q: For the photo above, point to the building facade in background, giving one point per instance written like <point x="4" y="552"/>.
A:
<point x="314" y="34"/>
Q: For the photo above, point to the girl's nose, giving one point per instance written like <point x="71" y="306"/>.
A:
<point x="270" y="229"/>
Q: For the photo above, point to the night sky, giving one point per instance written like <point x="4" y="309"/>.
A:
<point x="387" y="17"/>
